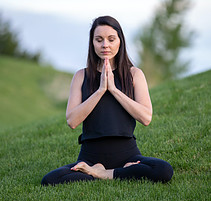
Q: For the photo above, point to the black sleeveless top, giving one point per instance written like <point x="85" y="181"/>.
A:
<point x="108" y="118"/>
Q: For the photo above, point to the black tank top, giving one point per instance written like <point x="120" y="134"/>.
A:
<point x="108" y="118"/>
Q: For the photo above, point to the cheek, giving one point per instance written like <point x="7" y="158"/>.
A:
<point x="117" y="47"/>
<point x="96" y="47"/>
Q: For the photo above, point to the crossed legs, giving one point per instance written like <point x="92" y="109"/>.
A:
<point x="137" y="167"/>
<point x="98" y="170"/>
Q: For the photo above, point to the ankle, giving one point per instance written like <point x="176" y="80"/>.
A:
<point x="108" y="174"/>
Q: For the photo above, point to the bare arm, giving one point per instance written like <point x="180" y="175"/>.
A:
<point x="141" y="107"/>
<point x="77" y="111"/>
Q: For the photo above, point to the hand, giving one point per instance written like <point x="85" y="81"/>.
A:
<point x="104" y="78"/>
<point x="110" y="75"/>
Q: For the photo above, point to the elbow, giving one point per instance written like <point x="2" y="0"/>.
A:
<point x="147" y="120"/>
<point x="70" y="123"/>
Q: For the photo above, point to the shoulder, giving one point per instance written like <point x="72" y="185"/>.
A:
<point x="79" y="75"/>
<point x="137" y="73"/>
<point x="140" y="84"/>
<point x="78" y="78"/>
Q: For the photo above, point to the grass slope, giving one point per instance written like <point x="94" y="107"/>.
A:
<point x="179" y="133"/>
<point x="27" y="91"/>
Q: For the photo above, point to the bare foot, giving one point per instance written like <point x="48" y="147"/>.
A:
<point x="131" y="163"/>
<point x="97" y="170"/>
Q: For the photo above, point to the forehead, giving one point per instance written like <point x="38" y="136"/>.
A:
<point x="104" y="31"/>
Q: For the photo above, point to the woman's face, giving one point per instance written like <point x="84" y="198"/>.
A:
<point x="106" y="42"/>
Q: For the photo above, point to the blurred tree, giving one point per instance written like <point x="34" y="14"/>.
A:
<point x="161" y="42"/>
<point x="8" y="39"/>
<point x="10" y="45"/>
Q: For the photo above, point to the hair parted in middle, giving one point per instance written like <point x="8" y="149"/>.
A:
<point x="122" y="61"/>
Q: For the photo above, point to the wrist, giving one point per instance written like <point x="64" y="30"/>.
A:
<point x="113" y="90"/>
<point x="101" y="91"/>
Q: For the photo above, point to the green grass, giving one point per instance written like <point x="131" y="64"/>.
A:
<point x="29" y="92"/>
<point x="179" y="133"/>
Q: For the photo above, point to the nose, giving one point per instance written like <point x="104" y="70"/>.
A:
<point x="105" y="44"/>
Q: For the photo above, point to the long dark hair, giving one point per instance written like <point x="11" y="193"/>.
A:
<point x="122" y="62"/>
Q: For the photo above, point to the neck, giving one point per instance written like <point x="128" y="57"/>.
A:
<point x="113" y="67"/>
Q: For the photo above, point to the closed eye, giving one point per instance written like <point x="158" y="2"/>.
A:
<point x="98" y="38"/>
<point x="111" y="38"/>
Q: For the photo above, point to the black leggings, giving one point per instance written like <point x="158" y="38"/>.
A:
<point x="113" y="153"/>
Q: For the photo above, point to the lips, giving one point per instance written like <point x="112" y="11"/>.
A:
<point x="105" y="52"/>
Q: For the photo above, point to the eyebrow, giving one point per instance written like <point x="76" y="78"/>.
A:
<point x="102" y="37"/>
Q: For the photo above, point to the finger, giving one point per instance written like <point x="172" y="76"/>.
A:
<point x="109" y="67"/>
<point x="106" y="65"/>
<point x="104" y="71"/>
<point x="105" y="61"/>
<point x="103" y="68"/>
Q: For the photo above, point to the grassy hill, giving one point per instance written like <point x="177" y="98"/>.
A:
<point x="179" y="133"/>
<point x="30" y="92"/>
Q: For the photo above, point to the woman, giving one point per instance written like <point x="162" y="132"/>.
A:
<point x="108" y="97"/>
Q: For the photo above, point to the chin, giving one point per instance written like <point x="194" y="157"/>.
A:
<point x="106" y="56"/>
